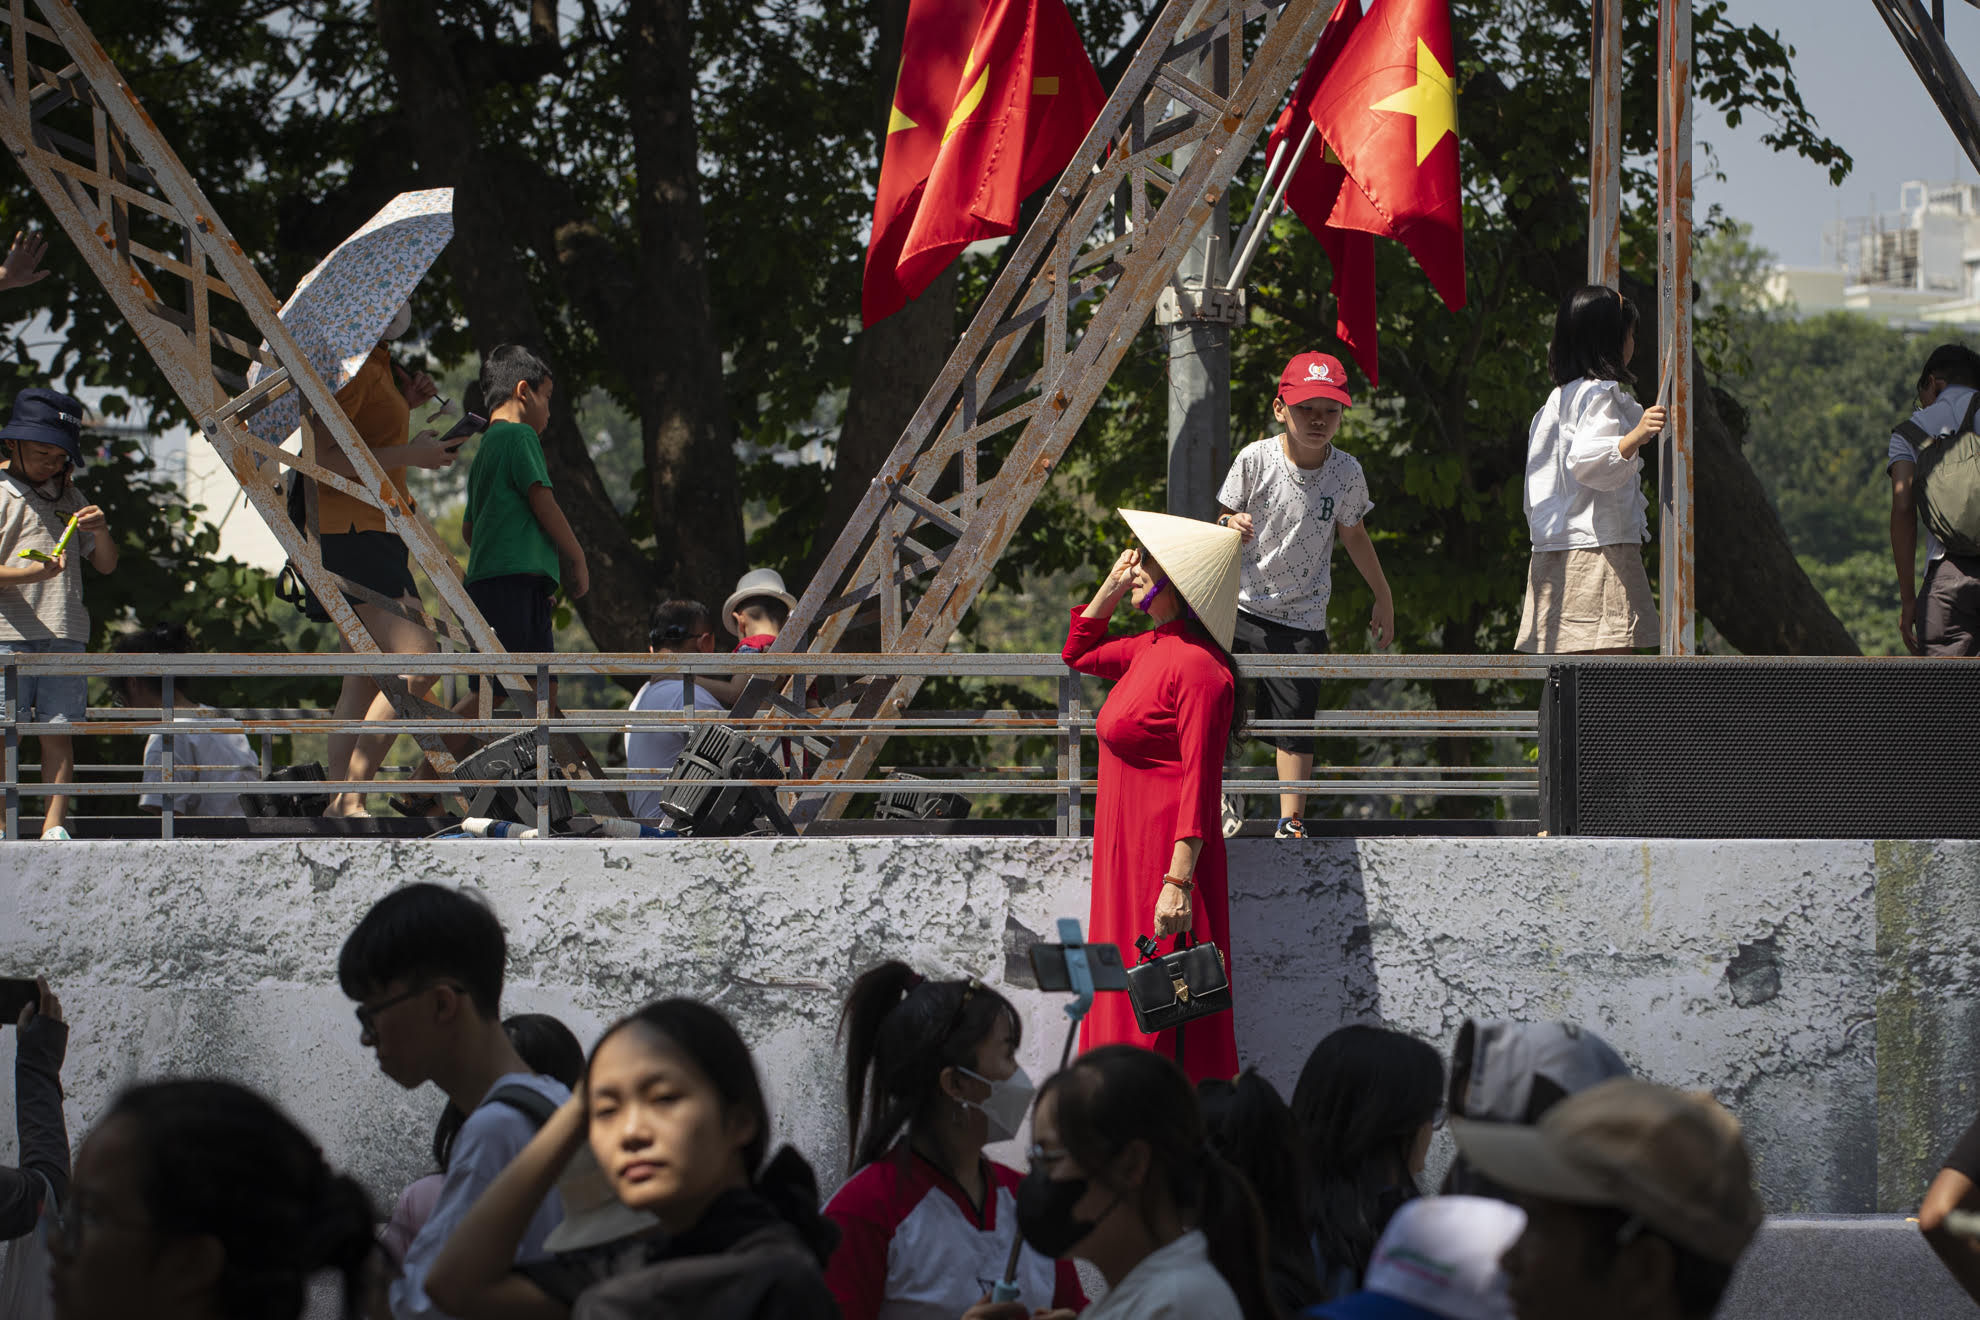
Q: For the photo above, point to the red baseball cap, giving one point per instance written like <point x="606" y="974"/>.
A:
<point x="1313" y="376"/>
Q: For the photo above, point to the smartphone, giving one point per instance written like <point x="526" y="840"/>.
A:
<point x="469" y="425"/>
<point x="1103" y="961"/>
<point x="17" y="992"/>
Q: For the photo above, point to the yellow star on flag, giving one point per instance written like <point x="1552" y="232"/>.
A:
<point x="1431" y="100"/>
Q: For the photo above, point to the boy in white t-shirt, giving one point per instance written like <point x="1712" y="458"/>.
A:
<point x="1288" y="497"/>
<point x="682" y="627"/>
<point x="198" y="759"/>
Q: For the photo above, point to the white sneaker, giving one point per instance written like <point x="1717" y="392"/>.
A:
<point x="1233" y="816"/>
<point x="54" y="832"/>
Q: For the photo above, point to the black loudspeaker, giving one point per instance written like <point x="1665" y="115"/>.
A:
<point x="920" y="803"/>
<point x="513" y="757"/>
<point x="1718" y="749"/>
<point x="701" y="809"/>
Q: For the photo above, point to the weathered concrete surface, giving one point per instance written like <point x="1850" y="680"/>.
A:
<point x="1763" y="971"/>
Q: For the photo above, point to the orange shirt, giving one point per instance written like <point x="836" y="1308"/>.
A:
<point x="372" y="401"/>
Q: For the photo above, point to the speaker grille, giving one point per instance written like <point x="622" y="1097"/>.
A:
<point x="1763" y="749"/>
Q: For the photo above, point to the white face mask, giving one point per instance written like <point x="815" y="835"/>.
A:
<point x="400" y="323"/>
<point x="1006" y="1105"/>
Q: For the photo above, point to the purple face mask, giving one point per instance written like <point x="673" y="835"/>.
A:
<point x="1148" y="598"/>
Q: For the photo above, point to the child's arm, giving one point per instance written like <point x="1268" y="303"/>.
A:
<point x="543" y="503"/>
<point x="1236" y="521"/>
<point x="102" y="550"/>
<point x="1361" y="549"/>
<point x="22" y="572"/>
<point x="467" y="531"/>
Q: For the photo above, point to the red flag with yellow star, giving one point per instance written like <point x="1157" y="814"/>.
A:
<point x="993" y="98"/>
<point x="1318" y="185"/>
<point x="1388" y="109"/>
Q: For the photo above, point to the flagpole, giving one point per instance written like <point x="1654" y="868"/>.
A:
<point x="1264" y="194"/>
<point x="1254" y="235"/>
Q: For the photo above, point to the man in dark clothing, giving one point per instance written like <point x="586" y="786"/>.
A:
<point x="44" y="1137"/>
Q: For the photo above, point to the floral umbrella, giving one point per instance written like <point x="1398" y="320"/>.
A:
<point x="339" y="309"/>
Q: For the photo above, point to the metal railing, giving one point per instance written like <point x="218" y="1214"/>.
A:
<point x="1066" y="777"/>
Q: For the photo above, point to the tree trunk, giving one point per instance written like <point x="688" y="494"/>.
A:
<point x="493" y="286"/>
<point x="1749" y="583"/>
<point x="690" y="455"/>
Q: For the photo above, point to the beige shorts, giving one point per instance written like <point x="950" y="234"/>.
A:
<point x="1587" y="600"/>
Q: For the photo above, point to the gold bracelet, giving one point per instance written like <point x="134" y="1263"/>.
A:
<point x="1181" y="882"/>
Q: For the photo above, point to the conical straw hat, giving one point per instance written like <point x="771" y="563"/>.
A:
<point x="1201" y="560"/>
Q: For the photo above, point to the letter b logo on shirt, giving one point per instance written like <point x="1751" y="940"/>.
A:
<point x="1326" y="508"/>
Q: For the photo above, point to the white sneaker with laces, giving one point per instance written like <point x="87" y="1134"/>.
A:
<point x="1233" y="816"/>
<point x="53" y="833"/>
<point x="1290" y="828"/>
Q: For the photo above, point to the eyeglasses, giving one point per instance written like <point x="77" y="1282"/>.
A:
<point x="367" y="1014"/>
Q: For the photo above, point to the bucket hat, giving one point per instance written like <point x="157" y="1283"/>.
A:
<point x="593" y="1212"/>
<point x="757" y="582"/>
<point x="48" y="417"/>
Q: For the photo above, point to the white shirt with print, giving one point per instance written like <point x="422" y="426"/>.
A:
<point x="1287" y="570"/>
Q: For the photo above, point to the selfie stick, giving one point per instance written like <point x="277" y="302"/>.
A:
<point x="1081" y="977"/>
<point x="40" y="556"/>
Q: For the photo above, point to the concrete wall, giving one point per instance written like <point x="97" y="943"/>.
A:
<point x="1763" y="971"/>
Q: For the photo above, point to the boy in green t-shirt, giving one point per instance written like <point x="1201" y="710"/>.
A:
<point x="520" y="546"/>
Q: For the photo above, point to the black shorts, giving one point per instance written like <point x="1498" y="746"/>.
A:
<point x="1281" y="698"/>
<point x="518" y="607"/>
<point x="378" y="560"/>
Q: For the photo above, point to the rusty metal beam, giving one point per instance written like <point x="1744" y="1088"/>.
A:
<point x="1677" y="578"/>
<point x="1605" y="144"/>
<point x="1128" y="152"/>
<point x="1924" y="44"/>
<point x="92" y="180"/>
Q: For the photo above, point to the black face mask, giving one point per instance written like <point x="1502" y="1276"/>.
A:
<point x="1045" y="1213"/>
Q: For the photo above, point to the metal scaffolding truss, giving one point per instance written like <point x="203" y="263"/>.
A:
<point x="1069" y="303"/>
<point x="1922" y="37"/>
<point x="197" y="303"/>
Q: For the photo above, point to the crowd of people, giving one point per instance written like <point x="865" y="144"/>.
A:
<point x="638" y="1177"/>
<point x="1265" y="589"/>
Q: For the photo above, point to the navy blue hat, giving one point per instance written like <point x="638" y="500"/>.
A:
<point x="47" y="416"/>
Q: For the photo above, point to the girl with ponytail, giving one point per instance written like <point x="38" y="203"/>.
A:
<point x="931" y="1078"/>
<point x="1123" y="1176"/>
<point x="673" y="1109"/>
<point x="199" y="1200"/>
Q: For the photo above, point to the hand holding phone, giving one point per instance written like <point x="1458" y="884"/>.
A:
<point x="17" y="993"/>
<point x="469" y="425"/>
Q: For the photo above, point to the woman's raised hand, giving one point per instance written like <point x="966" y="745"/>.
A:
<point x="1122" y="573"/>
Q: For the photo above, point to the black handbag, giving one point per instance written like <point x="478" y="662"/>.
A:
<point x="1170" y="989"/>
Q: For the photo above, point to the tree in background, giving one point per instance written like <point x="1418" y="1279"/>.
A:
<point x="672" y="201"/>
<point x="1814" y="401"/>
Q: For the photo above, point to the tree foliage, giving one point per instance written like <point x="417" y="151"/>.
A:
<point x="599" y="204"/>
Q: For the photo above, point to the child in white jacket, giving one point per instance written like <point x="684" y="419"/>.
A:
<point x="1586" y="590"/>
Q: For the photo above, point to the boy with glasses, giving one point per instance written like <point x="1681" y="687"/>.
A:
<point x="425" y="967"/>
<point x="680" y="627"/>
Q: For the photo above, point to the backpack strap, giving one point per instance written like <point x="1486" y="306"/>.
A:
<point x="531" y="1103"/>
<point x="1915" y="434"/>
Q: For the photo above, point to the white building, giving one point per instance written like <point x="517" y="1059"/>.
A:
<point x="1917" y="266"/>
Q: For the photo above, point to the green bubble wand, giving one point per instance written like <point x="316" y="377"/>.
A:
<point x="42" y="556"/>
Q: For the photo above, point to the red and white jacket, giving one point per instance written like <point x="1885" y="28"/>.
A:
<point x="913" y="1248"/>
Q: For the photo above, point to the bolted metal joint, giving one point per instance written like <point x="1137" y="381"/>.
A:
<point x="1195" y="303"/>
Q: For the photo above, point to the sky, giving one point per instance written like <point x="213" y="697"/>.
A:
<point x="1864" y="94"/>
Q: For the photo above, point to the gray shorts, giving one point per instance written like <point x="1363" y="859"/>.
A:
<point x="47" y="699"/>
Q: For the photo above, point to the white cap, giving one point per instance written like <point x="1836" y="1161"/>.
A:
<point x="1439" y="1256"/>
